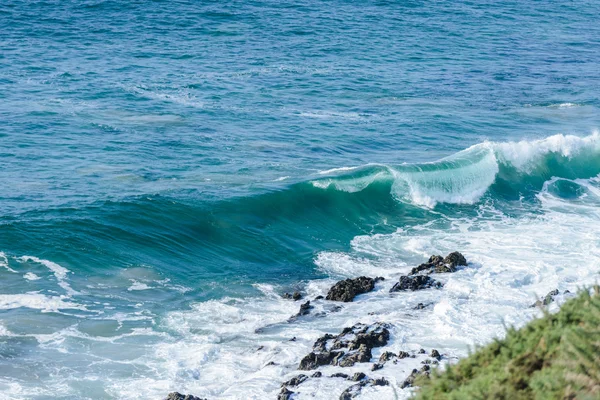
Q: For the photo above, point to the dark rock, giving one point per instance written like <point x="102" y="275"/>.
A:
<point x="386" y="356"/>
<point x="455" y="259"/>
<point x="352" y="345"/>
<point x="422" y="351"/>
<point x="403" y="354"/>
<point x="179" y="396"/>
<point x="314" y="360"/>
<point x="347" y="289"/>
<point x="547" y="300"/>
<point x="376" y="366"/>
<point x="426" y="362"/>
<point x="339" y="375"/>
<point x="408" y="382"/>
<point x="305" y="309"/>
<point x="295" y="381"/>
<point x="359" y="376"/>
<point x="437" y="264"/>
<point x="379" y="278"/>
<point x="319" y="298"/>
<point x="317" y="374"/>
<point x="413" y="283"/>
<point x="379" y="382"/>
<point x="425" y="368"/>
<point x="352" y="392"/>
<point x="362" y="354"/>
<point x="270" y="363"/>
<point x="435" y="354"/>
<point x="293" y="339"/>
<point x="260" y="348"/>
<point x="285" y="394"/>
<point x="294" y="296"/>
<point x="419" y="306"/>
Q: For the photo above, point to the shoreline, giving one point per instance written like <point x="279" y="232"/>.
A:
<point x="364" y="354"/>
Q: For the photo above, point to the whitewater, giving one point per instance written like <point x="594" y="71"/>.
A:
<point x="234" y="347"/>
<point x="169" y="170"/>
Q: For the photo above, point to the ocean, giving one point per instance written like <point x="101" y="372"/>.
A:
<point x="170" y="168"/>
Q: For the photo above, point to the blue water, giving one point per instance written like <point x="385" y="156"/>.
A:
<point x="170" y="154"/>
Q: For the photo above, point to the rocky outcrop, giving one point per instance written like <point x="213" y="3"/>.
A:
<point x="295" y="381"/>
<point x="439" y="265"/>
<point x="285" y="394"/>
<point x="348" y="289"/>
<point x="353" y="345"/>
<point x="179" y="396"/>
<point x="354" y="390"/>
<point x="417" y="282"/>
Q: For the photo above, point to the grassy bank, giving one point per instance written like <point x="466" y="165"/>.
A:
<point x="553" y="357"/>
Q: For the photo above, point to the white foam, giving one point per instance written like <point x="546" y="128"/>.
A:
<point x="30" y="276"/>
<point x="138" y="286"/>
<point x="4" y="262"/>
<point x="59" y="272"/>
<point x="525" y="154"/>
<point x="37" y="301"/>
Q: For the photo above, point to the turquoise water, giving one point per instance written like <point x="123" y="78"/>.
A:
<point x="163" y="163"/>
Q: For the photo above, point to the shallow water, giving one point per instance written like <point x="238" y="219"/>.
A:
<point x="169" y="169"/>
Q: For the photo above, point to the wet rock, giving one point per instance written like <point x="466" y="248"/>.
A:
<point x="410" y="380"/>
<point x="319" y="298"/>
<point x="305" y="308"/>
<point x="376" y="366"/>
<point x="317" y="374"/>
<point x="339" y="375"/>
<point x="362" y="354"/>
<point x="437" y="264"/>
<point x="379" y="382"/>
<point x="413" y="283"/>
<point x="435" y="354"/>
<point x="347" y="289"/>
<point x="179" y="396"/>
<point x="285" y="394"/>
<point x="294" y="296"/>
<point x="271" y="363"/>
<point x="547" y="300"/>
<point x="295" y="381"/>
<point x="403" y="354"/>
<point x="386" y="356"/>
<point x="314" y="360"/>
<point x="359" y="376"/>
<point x="422" y="351"/>
<point x="419" y="306"/>
<point x="352" y="392"/>
<point x="352" y="345"/>
<point x="260" y="348"/>
<point x="293" y="339"/>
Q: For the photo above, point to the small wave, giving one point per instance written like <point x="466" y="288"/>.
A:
<point x="59" y="272"/>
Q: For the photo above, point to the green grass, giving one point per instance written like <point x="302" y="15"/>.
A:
<point x="553" y="357"/>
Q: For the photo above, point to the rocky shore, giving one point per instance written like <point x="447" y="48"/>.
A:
<point x="354" y="345"/>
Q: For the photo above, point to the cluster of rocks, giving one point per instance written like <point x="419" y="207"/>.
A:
<point x="419" y="278"/>
<point x="353" y="345"/>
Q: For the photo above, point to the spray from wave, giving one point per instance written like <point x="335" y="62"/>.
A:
<point x="464" y="177"/>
